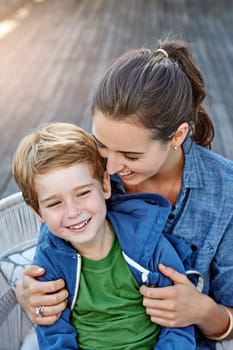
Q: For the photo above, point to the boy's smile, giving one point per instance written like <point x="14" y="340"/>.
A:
<point x="78" y="227"/>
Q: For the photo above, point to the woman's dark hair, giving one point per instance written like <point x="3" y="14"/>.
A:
<point x="159" y="89"/>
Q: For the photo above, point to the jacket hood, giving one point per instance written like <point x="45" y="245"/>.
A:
<point x="138" y="221"/>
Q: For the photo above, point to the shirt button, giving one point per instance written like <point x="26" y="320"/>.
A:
<point x="171" y="216"/>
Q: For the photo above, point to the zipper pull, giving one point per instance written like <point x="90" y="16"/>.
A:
<point x="145" y="277"/>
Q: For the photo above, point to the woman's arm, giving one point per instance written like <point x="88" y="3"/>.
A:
<point x="181" y="305"/>
<point x="56" y="335"/>
<point x="32" y="293"/>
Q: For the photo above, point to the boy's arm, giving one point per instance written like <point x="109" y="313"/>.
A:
<point x="31" y="293"/>
<point x="176" y="338"/>
<point x="172" y="338"/>
<point x="61" y="334"/>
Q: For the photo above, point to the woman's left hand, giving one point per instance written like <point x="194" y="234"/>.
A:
<point x="178" y="305"/>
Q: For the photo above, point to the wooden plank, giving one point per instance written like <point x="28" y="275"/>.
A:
<point x="52" y="61"/>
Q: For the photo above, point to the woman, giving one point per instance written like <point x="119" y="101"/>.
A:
<point x="150" y="124"/>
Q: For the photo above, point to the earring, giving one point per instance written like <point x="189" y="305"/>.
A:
<point x="175" y="148"/>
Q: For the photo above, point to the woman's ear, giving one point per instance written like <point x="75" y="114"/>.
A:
<point x="107" y="185"/>
<point x="180" y="135"/>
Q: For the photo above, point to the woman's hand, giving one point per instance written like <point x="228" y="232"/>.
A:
<point x="173" y="306"/>
<point x="182" y="304"/>
<point x="32" y="293"/>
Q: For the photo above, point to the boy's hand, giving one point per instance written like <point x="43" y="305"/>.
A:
<point x="32" y="294"/>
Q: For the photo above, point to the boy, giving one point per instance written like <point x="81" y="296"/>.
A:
<point x="103" y="255"/>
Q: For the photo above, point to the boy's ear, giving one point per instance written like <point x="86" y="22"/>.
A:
<point x="37" y="215"/>
<point x="107" y="185"/>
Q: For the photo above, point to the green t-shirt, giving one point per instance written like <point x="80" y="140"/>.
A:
<point x="108" y="313"/>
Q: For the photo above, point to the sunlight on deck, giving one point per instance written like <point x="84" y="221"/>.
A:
<point x="8" y="25"/>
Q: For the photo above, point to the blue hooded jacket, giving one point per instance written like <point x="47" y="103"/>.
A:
<point x="138" y="221"/>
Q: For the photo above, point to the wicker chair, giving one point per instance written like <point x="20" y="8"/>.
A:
<point x="18" y="229"/>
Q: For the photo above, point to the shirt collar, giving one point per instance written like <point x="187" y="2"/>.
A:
<point x="192" y="176"/>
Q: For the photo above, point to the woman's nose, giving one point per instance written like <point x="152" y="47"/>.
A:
<point x="114" y="164"/>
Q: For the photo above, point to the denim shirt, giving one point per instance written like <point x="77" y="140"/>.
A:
<point x="203" y="216"/>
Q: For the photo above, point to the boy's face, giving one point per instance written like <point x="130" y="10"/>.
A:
<point x="72" y="203"/>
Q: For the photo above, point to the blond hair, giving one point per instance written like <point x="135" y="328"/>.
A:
<point x="51" y="146"/>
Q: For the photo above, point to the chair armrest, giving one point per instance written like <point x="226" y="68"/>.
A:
<point x="7" y="303"/>
<point x="18" y="230"/>
<point x="14" y="324"/>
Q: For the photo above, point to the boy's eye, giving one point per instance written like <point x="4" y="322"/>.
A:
<point x="53" y="204"/>
<point x="81" y="194"/>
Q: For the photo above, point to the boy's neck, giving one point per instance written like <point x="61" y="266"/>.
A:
<point x="100" y="248"/>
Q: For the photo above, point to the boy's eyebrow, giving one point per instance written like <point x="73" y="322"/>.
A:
<point x="123" y="152"/>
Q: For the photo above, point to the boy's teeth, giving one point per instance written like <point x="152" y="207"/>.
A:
<point x="82" y="224"/>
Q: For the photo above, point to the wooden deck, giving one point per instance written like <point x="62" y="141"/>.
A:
<point x="52" y="59"/>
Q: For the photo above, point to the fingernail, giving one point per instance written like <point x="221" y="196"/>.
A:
<point x="40" y="269"/>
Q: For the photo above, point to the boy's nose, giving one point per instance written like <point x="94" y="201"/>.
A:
<point x="73" y="210"/>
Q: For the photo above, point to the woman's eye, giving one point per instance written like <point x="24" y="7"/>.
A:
<point x="132" y="158"/>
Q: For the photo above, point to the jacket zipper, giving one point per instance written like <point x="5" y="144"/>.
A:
<point x="145" y="272"/>
<point x="78" y="273"/>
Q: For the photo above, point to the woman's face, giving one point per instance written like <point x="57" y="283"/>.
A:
<point x="130" y="152"/>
